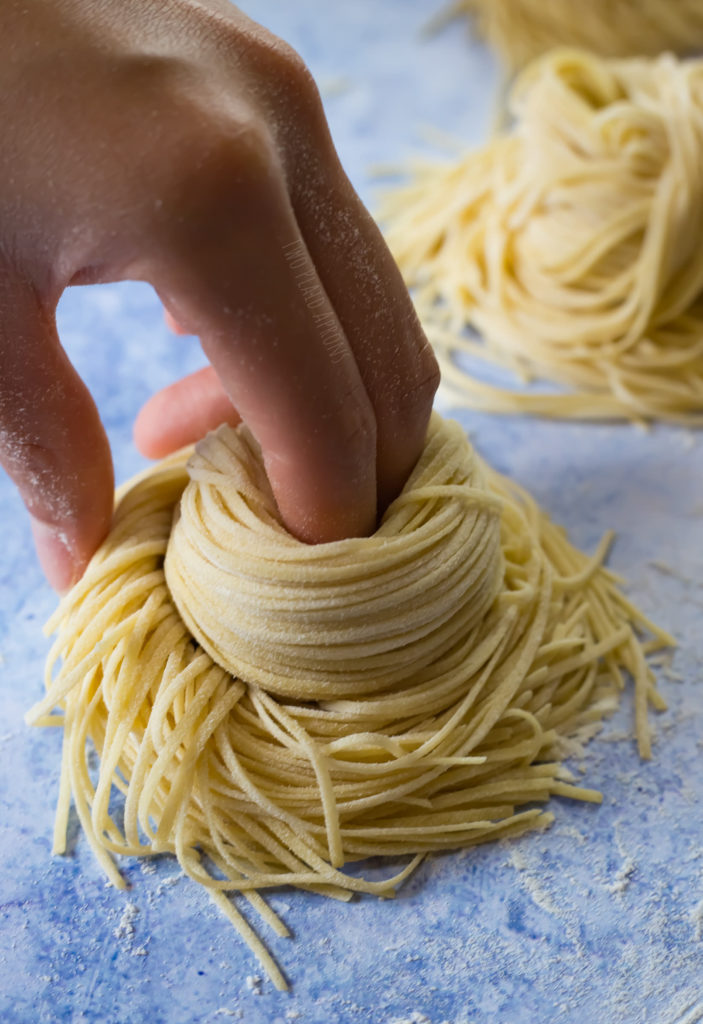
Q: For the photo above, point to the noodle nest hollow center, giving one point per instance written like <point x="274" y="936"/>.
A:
<point x="271" y="711"/>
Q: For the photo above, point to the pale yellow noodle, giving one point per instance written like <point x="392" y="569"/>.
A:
<point x="571" y="244"/>
<point x="390" y="695"/>
<point x="520" y="30"/>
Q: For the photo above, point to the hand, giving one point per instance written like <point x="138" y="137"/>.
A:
<point x="183" y="145"/>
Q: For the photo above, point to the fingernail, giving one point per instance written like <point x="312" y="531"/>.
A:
<point x="57" y="559"/>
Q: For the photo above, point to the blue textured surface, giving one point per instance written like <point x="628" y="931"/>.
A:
<point x="599" y="920"/>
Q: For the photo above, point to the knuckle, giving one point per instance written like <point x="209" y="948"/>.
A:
<point x="217" y="151"/>
<point x="293" y="90"/>
<point x="219" y="171"/>
<point x="248" y="151"/>
<point x="291" y="72"/>
<point x="286" y="78"/>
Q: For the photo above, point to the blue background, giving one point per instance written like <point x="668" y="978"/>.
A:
<point x="601" y="918"/>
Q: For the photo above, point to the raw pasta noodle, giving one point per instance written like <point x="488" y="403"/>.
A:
<point x="519" y="30"/>
<point x="389" y="695"/>
<point x="571" y="244"/>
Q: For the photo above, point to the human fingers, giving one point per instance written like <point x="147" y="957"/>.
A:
<point x="52" y="442"/>
<point x="395" y="360"/>
<point x="182" y="413"/>
<point x="223" y="270"/>
<point x="358" y="274"/>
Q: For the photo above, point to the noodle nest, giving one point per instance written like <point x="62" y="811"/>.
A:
<point x="571" y="244"/>
<point x="390" y="695"/>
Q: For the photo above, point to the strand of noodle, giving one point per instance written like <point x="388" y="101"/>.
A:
<point x="318" y="761"/>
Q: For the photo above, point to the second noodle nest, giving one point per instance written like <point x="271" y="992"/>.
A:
<point x="571" y="244"/>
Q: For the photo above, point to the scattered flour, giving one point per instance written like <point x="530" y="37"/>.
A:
<point x="124" y="932"/>
<point x="692" y="1013"/>
<point x="572" y="833"/>
<point x="517" y="860"/>
<point x="168" y="882"/>
<point x="615" y="736"/>
<point x="697" y="921"/>
<point x="626" y="869"/>
<point x="254" y="984"/>
<point x="622" y="878"/>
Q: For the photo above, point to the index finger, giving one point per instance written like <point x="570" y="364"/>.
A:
<point x="236" y="271"/>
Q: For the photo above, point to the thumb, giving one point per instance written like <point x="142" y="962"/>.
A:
<point x="52" y="442"/>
